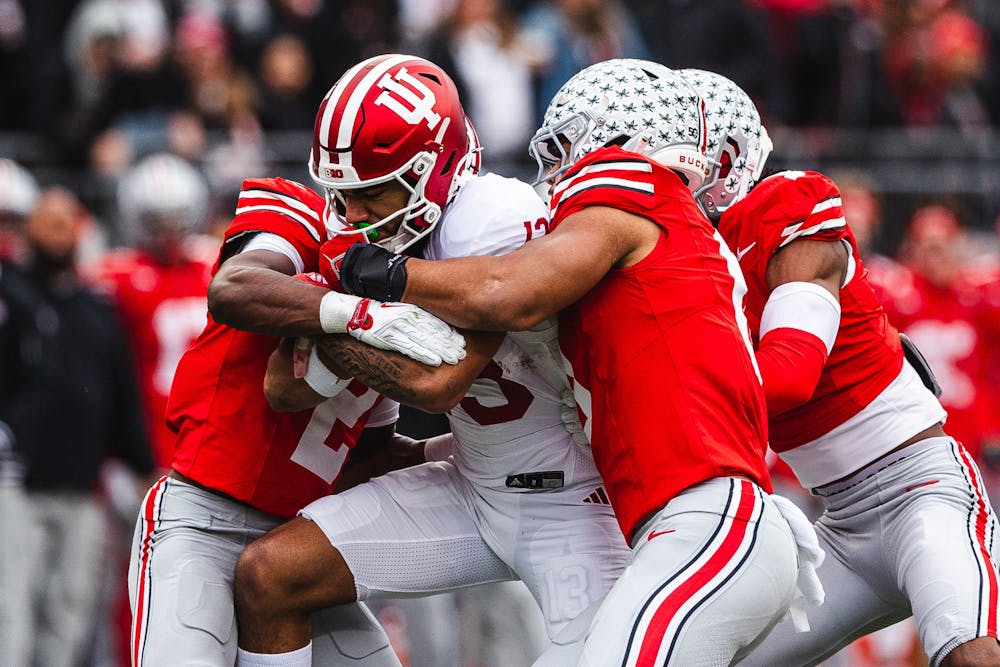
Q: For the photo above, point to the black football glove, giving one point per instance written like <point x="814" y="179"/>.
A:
<point x="373" y="272"/>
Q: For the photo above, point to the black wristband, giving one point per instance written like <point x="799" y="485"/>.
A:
<point x="373" y="272"/>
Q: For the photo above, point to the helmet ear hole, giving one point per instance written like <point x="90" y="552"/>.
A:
<point x="725" y="164"/>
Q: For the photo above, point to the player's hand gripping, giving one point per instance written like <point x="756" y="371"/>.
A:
<point x="402" y="327"/>
<point x="393" y="325"/>
<point x="397" y="327"/>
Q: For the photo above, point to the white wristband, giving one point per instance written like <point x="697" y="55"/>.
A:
<point x="322" y="380"/>
<point x="336" y="310"/>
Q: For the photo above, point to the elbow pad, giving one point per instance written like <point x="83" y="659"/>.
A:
<point x="797" y="330"/>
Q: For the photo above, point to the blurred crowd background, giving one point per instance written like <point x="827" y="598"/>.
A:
<point x="897" y="100"/>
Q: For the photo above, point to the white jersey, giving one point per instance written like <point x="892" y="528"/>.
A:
<point x="541" y="444"/>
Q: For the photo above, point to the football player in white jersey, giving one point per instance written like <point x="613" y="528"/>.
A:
<point x="907" y="527"/>
<point x="519" y="495"/>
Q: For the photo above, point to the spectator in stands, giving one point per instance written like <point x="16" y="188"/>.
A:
<point x="285" y="73"/>
<point x="686" y="33"/>
<point x="18" y="194"/>
<point x="946" y="320"/>
<point x="482" y="47"/>
<point x="70" y="399"/>
<point x="934" y="60"/>
<point x="575" y="34"/>
<point x="338" y="34"/>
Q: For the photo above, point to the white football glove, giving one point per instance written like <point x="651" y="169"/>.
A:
<point x="397" y="327"/>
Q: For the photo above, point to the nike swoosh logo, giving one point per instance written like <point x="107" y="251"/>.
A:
<point x="657" y="533"/>
<point x="740" y="253"/>
<point x="917" y="486"/>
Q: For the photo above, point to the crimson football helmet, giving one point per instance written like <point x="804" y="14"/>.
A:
<point x="738" y="144"/>
<point x="642" y="106"/>
<point x="393" y="118"/>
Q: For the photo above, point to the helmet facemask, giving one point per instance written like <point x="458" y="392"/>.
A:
<point x="417" y="218"/>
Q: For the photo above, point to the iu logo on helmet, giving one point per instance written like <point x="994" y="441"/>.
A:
<point x="409" y="98"/>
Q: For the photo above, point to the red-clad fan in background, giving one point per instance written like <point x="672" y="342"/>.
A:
<point x="160" y="281"/>
<point x="944" y="308"/>
<point x="907" y="526"/>
<point x="240" y="466"/>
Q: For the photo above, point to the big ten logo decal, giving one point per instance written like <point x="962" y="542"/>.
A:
<point x="409" y="98"/>
<point x="538" y="227"/>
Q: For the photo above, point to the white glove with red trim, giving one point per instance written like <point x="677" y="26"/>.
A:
<point x="397" y="327"/>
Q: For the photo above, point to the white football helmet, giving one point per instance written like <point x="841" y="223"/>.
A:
<point x="639" y="105"/>
<point x="738" y="144"/>
<point x="18" y="189"/>
<point x="162" y="197"/>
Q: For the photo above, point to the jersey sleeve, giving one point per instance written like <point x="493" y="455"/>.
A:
<point x="800" y="205"/>
<point x="282" y="207"/>
<point x="492" y="215"/>
<point x="385" y="412"/>
<point x="619" y="179"/>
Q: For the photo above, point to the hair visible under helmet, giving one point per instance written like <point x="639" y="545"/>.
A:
<point x="738" y="144"/>
<point x="639" y="105"/>
<point x="393" y="118"/>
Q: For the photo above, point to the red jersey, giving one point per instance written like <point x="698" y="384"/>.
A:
<point x="163" y="309"/>
<point x="228" y="437"/>
<point x="662" y="372"/>
<point x="954" y="327"/>
<point x="867" y="355"/>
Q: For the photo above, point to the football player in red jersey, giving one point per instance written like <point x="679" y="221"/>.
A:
<point x="943" y="309"/>
<point x="239" y="467"/>
<point x="158" y="286"/>
<point x="159" y="282"/>
<point x="653" y="337"/>
<point x="907" y="526"/>
<point x="520" y="497"/>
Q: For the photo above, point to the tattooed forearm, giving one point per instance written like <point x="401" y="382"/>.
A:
<point x="388" y="373"/>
